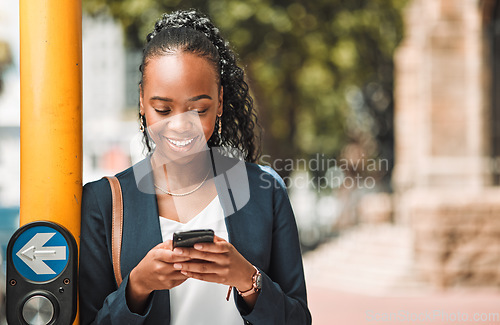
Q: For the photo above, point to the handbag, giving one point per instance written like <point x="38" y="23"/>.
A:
<point x="116" y="226"/>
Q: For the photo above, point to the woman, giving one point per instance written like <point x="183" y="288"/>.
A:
<point x="192" y="90"/>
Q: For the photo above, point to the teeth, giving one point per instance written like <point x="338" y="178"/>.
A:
<point x="180" y="143"/>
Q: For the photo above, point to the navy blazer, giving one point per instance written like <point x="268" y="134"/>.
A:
<point x="263" y="231"/>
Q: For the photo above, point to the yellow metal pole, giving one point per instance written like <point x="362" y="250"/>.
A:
<point x="51" y="112"/>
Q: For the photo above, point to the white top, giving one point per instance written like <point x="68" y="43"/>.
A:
<point x="196" y="302"/>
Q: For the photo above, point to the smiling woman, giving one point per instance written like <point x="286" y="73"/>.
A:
<point x="193" y="99"/>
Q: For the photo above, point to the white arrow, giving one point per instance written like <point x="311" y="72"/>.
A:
<point x="33" y="253"/>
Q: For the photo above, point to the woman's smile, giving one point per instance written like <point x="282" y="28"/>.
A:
<point x="181" y="144"/>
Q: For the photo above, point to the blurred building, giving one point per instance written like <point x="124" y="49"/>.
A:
<point x="110" y="86"/>
<point x="440" y="228"/>
<point x="9" y="105"/>
<point x="447" y="132"/>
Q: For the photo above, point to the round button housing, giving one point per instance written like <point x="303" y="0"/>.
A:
<point x="38" y="310"/>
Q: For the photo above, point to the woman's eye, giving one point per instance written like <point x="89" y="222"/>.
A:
<point x="162" y="111"/>
<point x="199" y="111"/>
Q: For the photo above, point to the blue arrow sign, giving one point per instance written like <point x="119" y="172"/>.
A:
<point x="40" y="253"/>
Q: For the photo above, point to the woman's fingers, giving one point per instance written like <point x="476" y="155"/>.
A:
<point x="173" y="276"/>
<point x="216" y="262"/>
<point x="216" y="247"/>
<point x="167" y="244"/>
<point x="198" y="267"/>
<point x="167" y="256"/>
<point x="156" y="271"/>
<point x="192" y="254"/>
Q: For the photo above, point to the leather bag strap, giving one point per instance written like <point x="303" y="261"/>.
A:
<point x="116" y="227"/>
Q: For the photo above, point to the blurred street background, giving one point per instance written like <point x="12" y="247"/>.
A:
<point x="382" y="116"/>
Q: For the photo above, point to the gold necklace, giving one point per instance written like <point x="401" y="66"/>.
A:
<point x="183" y="194"/>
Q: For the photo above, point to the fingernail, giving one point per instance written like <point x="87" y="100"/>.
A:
<point x="198" y="246"/>
<point x="177" y="251"/>
<point x="184" y="272"/>
<point x="177" y="266"/>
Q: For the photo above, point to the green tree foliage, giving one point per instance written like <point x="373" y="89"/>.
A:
<point x="321" y="70"/>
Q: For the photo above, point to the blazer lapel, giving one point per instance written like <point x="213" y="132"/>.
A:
<point x="233" y="188"/>
<point x="141" y="226"/>
<point x="141" y="230"/>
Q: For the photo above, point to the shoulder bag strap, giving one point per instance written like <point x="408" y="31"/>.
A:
<point x="116" y="227"/>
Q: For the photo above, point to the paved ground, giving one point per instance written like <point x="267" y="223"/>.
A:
<point x="332" y="307"/>
<point x="367" y="276"/>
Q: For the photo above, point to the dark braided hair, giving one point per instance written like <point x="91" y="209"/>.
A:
<point x="192" y="32"/>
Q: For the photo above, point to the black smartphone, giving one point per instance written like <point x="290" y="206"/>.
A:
<point x="189" y="238"/>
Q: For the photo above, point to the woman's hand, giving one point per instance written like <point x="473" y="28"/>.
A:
<point x="217" y="262"/>
<point x="154" y="272"/>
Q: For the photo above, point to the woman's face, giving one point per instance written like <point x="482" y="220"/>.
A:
<point x="180" y="98"/>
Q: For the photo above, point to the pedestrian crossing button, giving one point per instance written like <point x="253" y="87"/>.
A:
<point x="38" y="310"/>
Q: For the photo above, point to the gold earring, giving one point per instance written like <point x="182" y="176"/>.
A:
<point x="220" y="125"/>
<point x="141" y="127"/>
